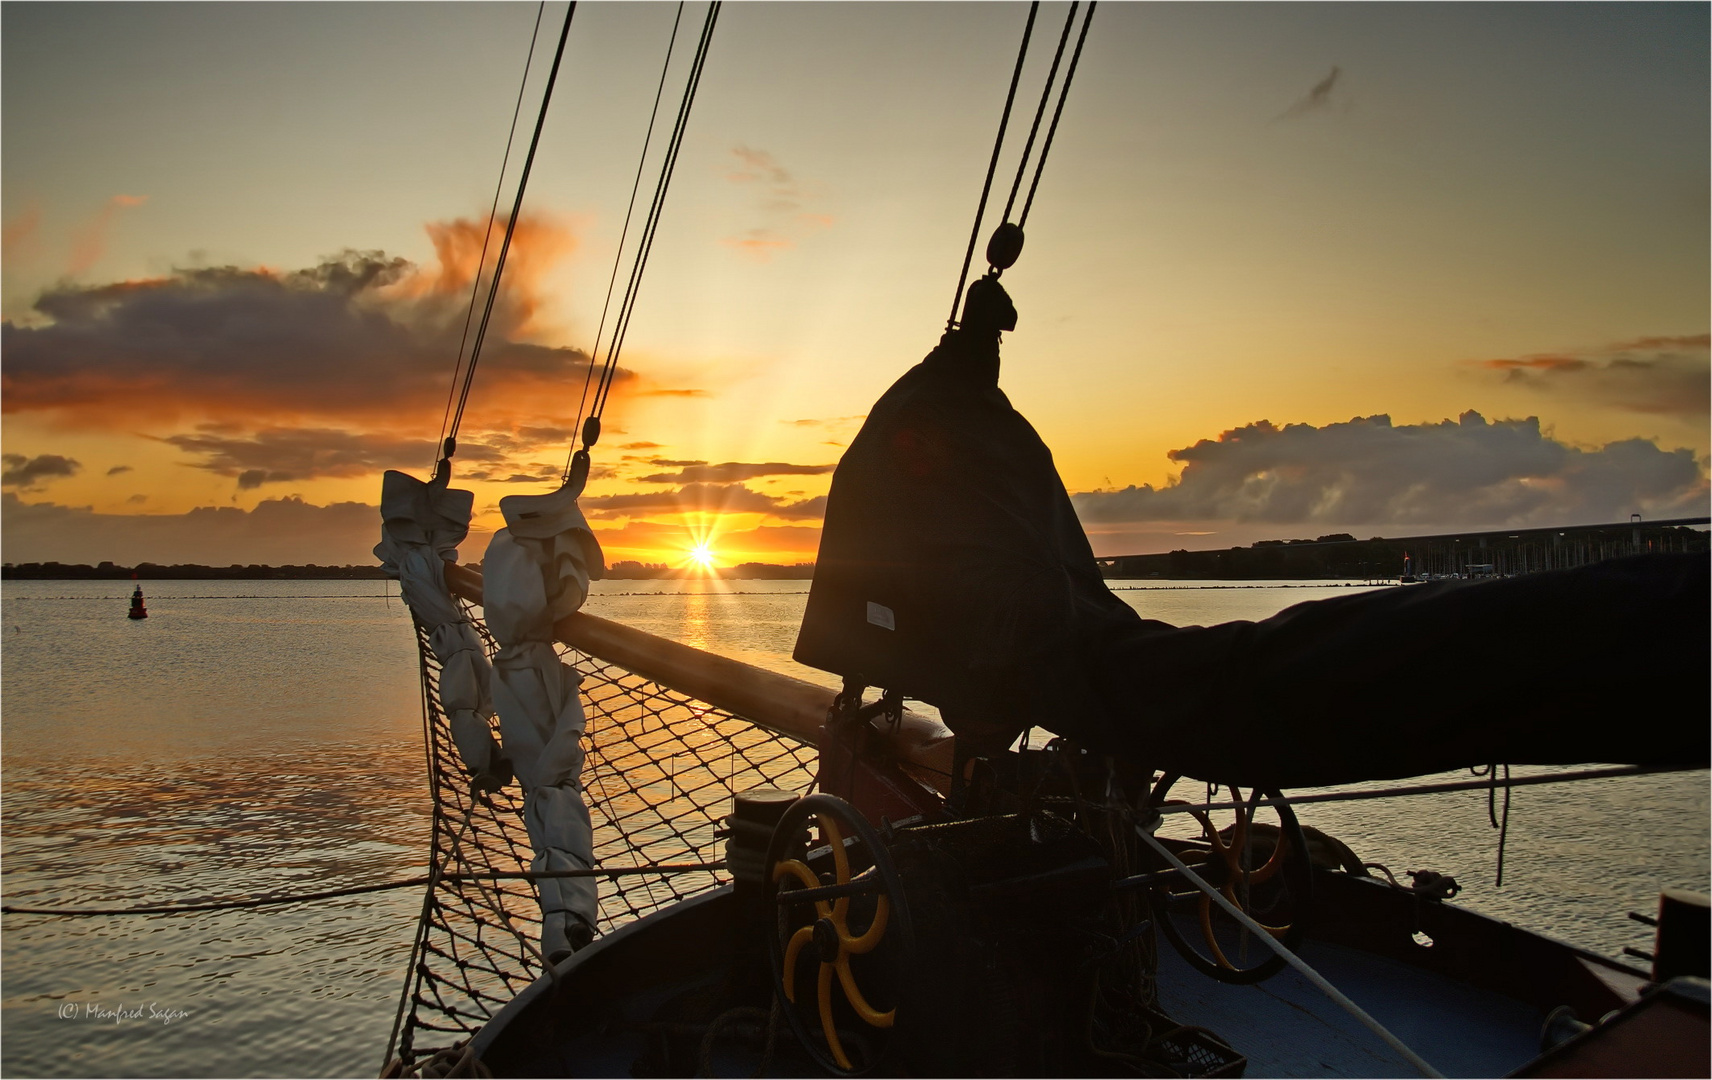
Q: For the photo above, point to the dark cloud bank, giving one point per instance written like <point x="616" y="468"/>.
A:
<point x="1456" y="474"/>
<point x="294" y="375"/>
<point x="277" y="531"/>
<point x="1465" y="473"/>
<point x="1664" y="376"/>
<point x="30" y="473"/>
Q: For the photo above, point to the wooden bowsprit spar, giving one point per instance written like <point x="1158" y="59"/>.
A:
<point x="779" y="703"/>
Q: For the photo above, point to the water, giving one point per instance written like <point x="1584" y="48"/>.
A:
<point x="254" y="737"/>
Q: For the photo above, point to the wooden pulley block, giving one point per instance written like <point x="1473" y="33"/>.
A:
<point x="1005" y="246"/>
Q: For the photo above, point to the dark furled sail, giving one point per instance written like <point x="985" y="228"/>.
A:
<point x="953" y="569"/>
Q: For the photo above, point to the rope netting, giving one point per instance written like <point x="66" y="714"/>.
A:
<point x="660" y="771"/>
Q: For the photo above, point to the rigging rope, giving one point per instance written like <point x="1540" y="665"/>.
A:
<point x="1027" y="150"/>
<point x="618" y="255"/>
<point x="487" y="234"/>
<point x="1434" y="789"/>
<point x="358" y="890"/>
<point x="1265" y="938"/>
<point x="1069" y="74"/>
<point x="449" y="446"/>
<point x="627" y="305"/>
<point x="992" y="166"/>
<point x="1039" y="113"/>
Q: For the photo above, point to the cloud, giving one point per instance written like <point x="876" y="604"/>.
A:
<point x="18" y="238"/>
<point x="117" y="469"/>
<point x="641" y="446"/>
<point x="139" y="499"/>
<point x="678" y="393"/>
<point x="89" y="242"/>
<point x="781" y="204"/>
<point x="359" y="340"/>
<point x="1455" y="474"/>
<point x="731" y="472"/>
<point x="1318" y="98"/>
<point x="705" y="498"/>
<point x="276" y="531"/>
<point x="835" y="421"/>
<point x="28" y="473"/>
<point x="1668" y="376"/>
<point x="543" y="475"/>
<point x="758" y="244"/>
<point x="276" y="455"/>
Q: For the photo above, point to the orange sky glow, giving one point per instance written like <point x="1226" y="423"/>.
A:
<point x="1461" y="284"/>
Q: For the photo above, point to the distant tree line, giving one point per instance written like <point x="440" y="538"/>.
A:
<point x="749" y="571"/>
<point x="1338" y="555"/>
<point x="1473" y="554"/>
<point x="159" y="571"/>
<point x="625" y="569"/>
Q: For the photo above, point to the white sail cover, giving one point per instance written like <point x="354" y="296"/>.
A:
<point x="422" y="525"/>
<point x="536" y="572"/>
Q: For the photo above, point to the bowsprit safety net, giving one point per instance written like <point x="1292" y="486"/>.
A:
<point x="659" y="776"/>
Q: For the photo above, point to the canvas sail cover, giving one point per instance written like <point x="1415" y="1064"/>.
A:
<point x="952" y="569"/>
<point x="422" y="524"/>
<point x="537" y="571"/>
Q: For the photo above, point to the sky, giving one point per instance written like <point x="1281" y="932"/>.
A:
<point x="1293" y="269"/>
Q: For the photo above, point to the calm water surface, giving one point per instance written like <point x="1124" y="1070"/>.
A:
<point x="254" y="737"/>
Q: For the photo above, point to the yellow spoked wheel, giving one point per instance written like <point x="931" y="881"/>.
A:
<point x="1259" y="862"/>
<point x="843" y="940"/>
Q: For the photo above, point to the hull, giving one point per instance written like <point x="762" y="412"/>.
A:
<point x="1472" y="1002"/>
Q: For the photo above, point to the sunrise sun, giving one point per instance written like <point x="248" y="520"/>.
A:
<point x="701" y="557"/>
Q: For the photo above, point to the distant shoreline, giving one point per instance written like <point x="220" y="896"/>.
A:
<point x="1337" y="557"/>
<point x="619" y="572"/>
<point x="622" y="571"/>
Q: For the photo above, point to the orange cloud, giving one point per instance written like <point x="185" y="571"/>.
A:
<point x="361" y="340"/>
<point x="89" y="242"/>
<point x="1662" y="374"/>
<point x="758" y="244"/>
<point x="537" y="245"/>
<point x="20" y="234"/>
<point x="1536" y="363"/>
<point x="780" y="204"/>
<point x="703" y="498"/>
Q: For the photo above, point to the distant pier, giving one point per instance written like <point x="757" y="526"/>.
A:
<point x="1498" y="553"/>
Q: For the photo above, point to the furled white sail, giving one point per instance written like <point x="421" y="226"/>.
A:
<point x="536" y="572"/>
<point x="422" y="524"/>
